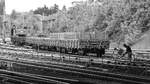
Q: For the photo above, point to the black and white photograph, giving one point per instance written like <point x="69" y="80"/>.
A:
<point x="74" y="41"/>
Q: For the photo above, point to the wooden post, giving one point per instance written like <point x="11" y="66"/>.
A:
<point x="102" y="59"/>
<point x="89" y="60"/>
<point x="69" y="57"/>
<point x="38" y="47"/>
<point x="60" y="56"/>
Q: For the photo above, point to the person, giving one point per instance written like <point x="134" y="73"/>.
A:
<point x="128" y="52"/>
<point x="103" y="51"/>
<point x="12" y="30"/>
<point x="100" y="52"/>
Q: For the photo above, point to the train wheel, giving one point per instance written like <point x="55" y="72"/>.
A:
<point x="35" y="47"/>
<point x="82" y="52"/>
<point x="97" y="54"/>
<point x="46" y="48"/>
<point x="58" y="49"/>
<point x="63" y="50"/>
<point x="66" y="51"/>
<point x="50" y="48"/>
<point x="74" y="51"/>
<point x="54" y="49"/>
<point x="85" y="52"/>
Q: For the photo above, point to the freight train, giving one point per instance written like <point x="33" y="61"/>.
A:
<point x="74" y="42"/>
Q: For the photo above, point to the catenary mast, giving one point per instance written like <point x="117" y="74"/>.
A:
<point x="2" y="18"/>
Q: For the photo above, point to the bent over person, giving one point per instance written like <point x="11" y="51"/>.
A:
<point x="128" y="52"/>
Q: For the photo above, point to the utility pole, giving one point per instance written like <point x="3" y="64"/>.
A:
<point x="23" y="20"/>
<point x="4" y="28"/>
<point x="2" y="14"/>
<point x="42" y="27"/>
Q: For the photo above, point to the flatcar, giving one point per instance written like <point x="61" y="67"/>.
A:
<point x="74" y="42"/>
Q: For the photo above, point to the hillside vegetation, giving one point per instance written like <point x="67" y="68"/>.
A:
<point x="121" y="20"/>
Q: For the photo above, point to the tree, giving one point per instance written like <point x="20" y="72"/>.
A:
<point x="120" y="19"/>
<point x="64" y="8"/>
<point x="47" y="11"/>
<point x="2" y="7"/>
<point x="13" y="15"/>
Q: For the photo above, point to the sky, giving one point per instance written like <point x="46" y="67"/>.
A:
<point x="27" y="5"/>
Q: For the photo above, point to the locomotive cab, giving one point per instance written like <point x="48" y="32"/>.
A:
<point x="18" y="36"/>
<point x="18" y="39"/>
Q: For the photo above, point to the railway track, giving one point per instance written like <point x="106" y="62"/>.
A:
<point x="29" y="50"/>
<point x="53" y="56"/>
<point x="77" y="60"/>
<point x="85" y="73"/>
<point x="26" y="78"/>
<point x="82" y="71"/>
<point x="42" y="54"/>
<point x="12" y="47"/>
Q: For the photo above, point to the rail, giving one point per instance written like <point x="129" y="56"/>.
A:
<point x="95" y="75"/>
<point x="27" y="78"/>
<point x="87" y="73"/>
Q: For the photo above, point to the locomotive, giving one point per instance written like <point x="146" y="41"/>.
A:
<point x="75" y="42"/>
